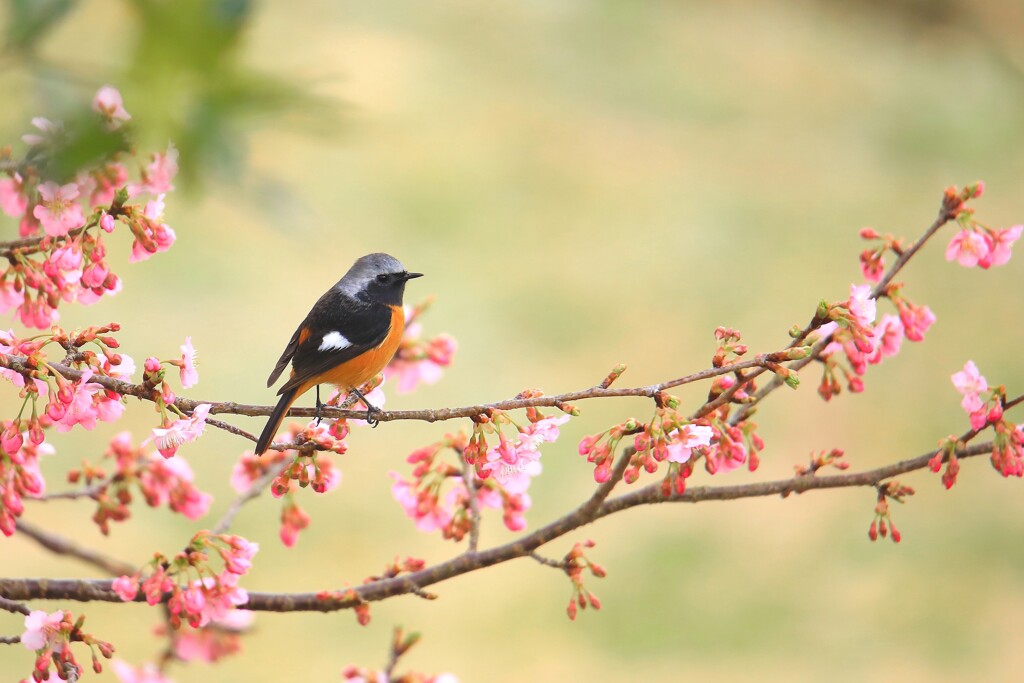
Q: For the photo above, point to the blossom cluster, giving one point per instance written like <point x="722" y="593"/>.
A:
<point x="50" y="637"/>
<point x="161" y="482"/>
<point x="304" y="466"/>
<point x="679" y="443"/>
<point x="882" y="524"/>
<point x="81" y="393"/>
<point x="575" y="563"/>
<point x="67" y="261"/>
<point x="438" y="497"/>
<point x="985" y="407"/>
<point x="194" y="592"/>
<point x="419" y="360"/>
<point x="854" y="335"/>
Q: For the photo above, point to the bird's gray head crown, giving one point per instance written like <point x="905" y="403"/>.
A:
<point x="365" y="269"/>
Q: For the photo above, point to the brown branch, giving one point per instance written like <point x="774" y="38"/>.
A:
<point x="186" y="405"/>
<point x="15" y="607"/>
<point x="596" y="507"/>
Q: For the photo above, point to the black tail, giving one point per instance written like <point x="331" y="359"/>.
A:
<point x="287" y="398"/>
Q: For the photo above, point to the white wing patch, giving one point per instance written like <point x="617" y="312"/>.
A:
<point x="334" y="341"/>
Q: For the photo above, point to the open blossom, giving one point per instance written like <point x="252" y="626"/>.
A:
<point x="188" y="373"/>
<point x="169" y="482"/>
<point x="423" y="506"/>
<point x="43" y="630"/>
<point x="684" y="440"/>
<point x="1000" y="243"/>
<point x="420" y="362"/>
<point x="862" y="306"/>
<point x="90" y="402"/>
<point x="147" y="673"/>
<point x="888" y="338"/>
<point x="58" y="212"/>
<point x="967" y="248"/>
<point x="155" y="235"/>
<point x="183" y="430"/>
<point x="970" y="382"/>
<point x="916" y="319"/>
<point x="214" y="641"/>
<point x="13" y="200"/>
<point x="108" y="102"/>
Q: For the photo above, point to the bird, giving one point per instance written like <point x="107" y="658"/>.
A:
<point x="349" y="335"/>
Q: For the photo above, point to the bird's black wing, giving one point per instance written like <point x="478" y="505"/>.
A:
<point x="361" y="326"/>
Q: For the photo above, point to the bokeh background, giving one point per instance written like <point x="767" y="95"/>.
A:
<point x="584" y="183"/>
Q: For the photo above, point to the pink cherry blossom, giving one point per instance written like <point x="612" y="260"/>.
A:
<point x="862" y="306"/>
<point x="183" y="430"/>
<point x="126" y="587"/>
<point x="888" y="338"/>
<point x="58" y="212"/>
<point x="425" y="510"/>
<point x="967" y="248"/>
<point x="109" y="103"/>
<point x="187" y="371"/>
<point x="13" y="200"/>
<point x="147" y="673"/>
<point x="169" y="482"/>
<point x="48" y="128"/>
<point x="970" y="382"/>
<point x="160" y="236"/>
<point x="90" y="402"/>
<point x="221" y="596"/>
<point x="1000" y="243"/>
<point x="684" y="440"/>
<point x="43" y="630"/>
<point x="916" y="320"/>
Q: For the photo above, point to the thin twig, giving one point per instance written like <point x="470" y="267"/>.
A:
<point x="12" y="606"/>
<point x="65" y="546"/>
<point x="252" y="492"/>
<point x="468" y="478"/>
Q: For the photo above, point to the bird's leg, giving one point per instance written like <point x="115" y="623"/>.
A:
<point x="319" y="405"/>
<point x="370" y="408"/>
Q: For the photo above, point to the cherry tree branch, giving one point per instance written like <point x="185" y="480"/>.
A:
<point x="597" y="506"/>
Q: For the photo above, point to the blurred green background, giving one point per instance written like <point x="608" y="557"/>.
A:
<point x="584" y="183"/>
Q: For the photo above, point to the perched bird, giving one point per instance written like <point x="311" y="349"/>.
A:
<point x="349" y="335"/>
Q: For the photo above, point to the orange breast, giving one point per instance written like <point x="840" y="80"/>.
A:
<point x="359" y="370"/>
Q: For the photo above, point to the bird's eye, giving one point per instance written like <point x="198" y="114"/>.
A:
<point x="382" y="278"/>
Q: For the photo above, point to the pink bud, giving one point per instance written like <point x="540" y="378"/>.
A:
<point x="107" y="222"/>
<point x="869" y="234"/>
<point x="11" y="440"/>
<point x="152" y="364"/>
<point x="996" y="414"/>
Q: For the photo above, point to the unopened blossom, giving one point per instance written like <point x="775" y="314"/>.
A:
<point x="126" y="587"/>
<point x="158" y="236"/>
<point x="188" y="373"/>
<point x="109" y="103"/>
<point x="58" y="212"/>
<point x="968" y="248"/>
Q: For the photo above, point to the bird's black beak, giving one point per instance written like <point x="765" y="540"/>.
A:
<point x="412" y="276"/>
